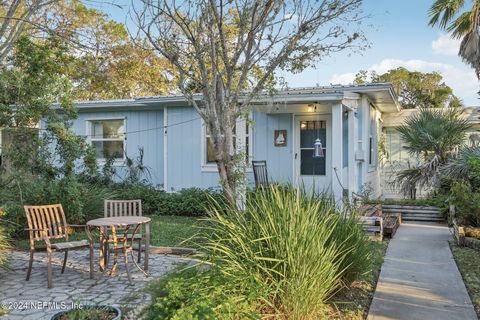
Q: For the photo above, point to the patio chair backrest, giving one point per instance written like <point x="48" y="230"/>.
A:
<point x="50" y="218"/>
<point x="123" y="208"/>
<point x="260" y="173"/>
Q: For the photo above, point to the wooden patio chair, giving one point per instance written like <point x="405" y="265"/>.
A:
<point x="47" y="223"/>
<point x="125" y="208"/>
<point x="260" y="174"/>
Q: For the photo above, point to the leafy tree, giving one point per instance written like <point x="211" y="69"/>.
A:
<point x="32" y="82"/>
<point x="218" y="47"/>
<point x="106" y="63"/>
<point x="463" y="23"/>
<point x="415" y="89"/>
<point x="15" y="16"/>
<point x="434" y="136"/>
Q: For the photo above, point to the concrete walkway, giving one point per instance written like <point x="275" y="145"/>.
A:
<point x="419" y="278"/>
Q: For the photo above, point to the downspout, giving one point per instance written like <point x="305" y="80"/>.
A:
<point x="165" y="149"/>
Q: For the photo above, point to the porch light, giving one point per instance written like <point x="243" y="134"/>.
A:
<point x="318" y="149"/>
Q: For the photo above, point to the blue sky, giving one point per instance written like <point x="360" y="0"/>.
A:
<point x="399" y="35"/>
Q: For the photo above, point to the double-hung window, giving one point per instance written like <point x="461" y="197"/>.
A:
<point x="209" y="148"/>
<point x="108" y="138"/>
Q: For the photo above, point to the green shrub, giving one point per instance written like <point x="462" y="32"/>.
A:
<point x="431" y="201"/>
<point x="81" y="202"/>
<point x="187" y="202"/>
<point x="467" y="203"/>
<point x="300" y="246"/>
<point x="195" y="294"/>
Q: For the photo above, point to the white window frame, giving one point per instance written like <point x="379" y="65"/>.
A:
<point x="90" y="139"/>
<point x="212" y="167"/>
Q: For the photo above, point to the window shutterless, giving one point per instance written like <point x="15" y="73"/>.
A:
<point x="108" y="138"/>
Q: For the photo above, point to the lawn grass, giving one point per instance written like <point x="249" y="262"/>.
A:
<point x="171" y="231"/>
<point x="353" y="303"/>
<point x="165" y="231"/>
<point x="468" y="262"/>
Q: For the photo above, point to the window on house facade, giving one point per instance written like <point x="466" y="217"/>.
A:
<point x="108" y="138"/>
<point x="209" y="151"/>
<point x="372" y="140"/>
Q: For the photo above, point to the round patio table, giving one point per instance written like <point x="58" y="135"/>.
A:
<point x="104" y="223"/>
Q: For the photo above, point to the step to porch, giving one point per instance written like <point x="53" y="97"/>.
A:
<point x="415" y="213"/>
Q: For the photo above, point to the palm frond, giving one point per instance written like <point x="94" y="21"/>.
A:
<point x="458" y="168"/>
<point x="434" y="131"/>
<point x="443" y="12"/>
<point x="470" y="50"/>
<point x="461" y="25"/>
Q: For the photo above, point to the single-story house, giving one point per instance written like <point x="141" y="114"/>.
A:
<point x="357" y="126"/>
<point x="282" y="131"/>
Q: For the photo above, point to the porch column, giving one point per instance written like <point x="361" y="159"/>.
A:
<point x="365" y="142"/>
<point x="352" y="147"/>
<point x="337" y="152"/>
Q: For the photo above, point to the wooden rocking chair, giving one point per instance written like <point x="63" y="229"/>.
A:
<point x="47" y="223"/>
<point x="260" y="174"/>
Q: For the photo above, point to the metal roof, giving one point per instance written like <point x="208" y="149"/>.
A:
<point x="381" y="94"/>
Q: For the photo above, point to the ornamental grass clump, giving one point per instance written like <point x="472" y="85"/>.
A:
<point x="300" y="248"/>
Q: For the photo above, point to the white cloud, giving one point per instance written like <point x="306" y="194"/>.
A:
<point x="445" y="45"/>
<point x="462" y="80"/>
<point x="344" y="78"/>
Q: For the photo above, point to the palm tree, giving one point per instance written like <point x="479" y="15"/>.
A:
<point x="449" y="15"/>
<point x="433" y="136"/>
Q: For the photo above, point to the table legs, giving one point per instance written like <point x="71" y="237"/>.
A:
<point x="147" y="246"/>
<point x="103" y="248"/>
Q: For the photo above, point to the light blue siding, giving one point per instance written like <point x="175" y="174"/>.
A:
<point x="279" y="159"/>
<point x="184" y="143"/>
<point x="185" y="149"/>
<point x="184" y="135"/>
<point x="143" y="129"/>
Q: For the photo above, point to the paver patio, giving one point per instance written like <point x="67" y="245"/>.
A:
<point x="419" y="278"/>
<point x="32" y="300"/>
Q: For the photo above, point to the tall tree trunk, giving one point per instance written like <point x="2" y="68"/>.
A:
<point x="228" y="185"/>
<point x="222" y="133"/>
